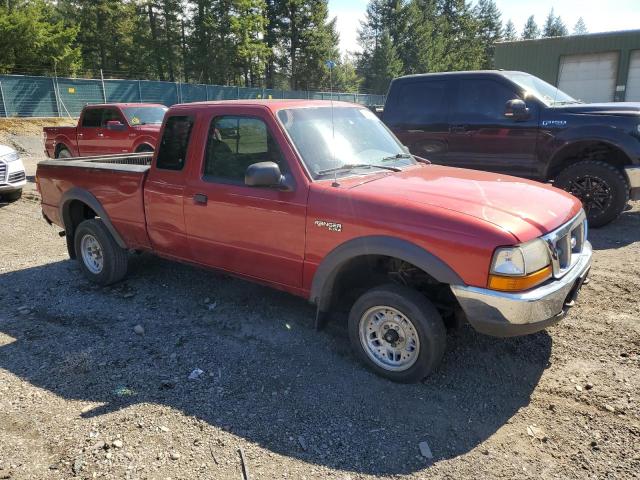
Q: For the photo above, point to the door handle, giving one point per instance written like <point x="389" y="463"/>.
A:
<point x="101" y="134"/>
<point x="80" y="134"/>
<point x="200" y="199"/>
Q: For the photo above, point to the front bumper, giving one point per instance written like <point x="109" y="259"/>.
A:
<point x="504" y="314"/>
<point x="12" y="176"/>
<point x="633" y="176"/>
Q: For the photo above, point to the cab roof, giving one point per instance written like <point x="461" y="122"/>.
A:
<point x="273" y="105"/>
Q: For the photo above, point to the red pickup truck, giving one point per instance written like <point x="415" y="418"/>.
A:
<point x="107" y="129"/>
<point x="322" y="201"/>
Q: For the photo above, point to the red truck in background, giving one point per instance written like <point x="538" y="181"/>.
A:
<point x="107" y="129"/>
<point x="321" y="200"/>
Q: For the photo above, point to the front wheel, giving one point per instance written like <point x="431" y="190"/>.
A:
<point x="601" y="187"/>
<point x="101" y="259"/>
<point x="397" y="333"/>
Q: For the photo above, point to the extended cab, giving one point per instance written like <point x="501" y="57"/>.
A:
<point x="322" y="201"/>
<point x="517" y="124"/>
<point x="107" y="129"/>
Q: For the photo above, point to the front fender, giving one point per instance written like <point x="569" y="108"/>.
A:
<point x="607" y="134"/>
<point x="327" y="273"/>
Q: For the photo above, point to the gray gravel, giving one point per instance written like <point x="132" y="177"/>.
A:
<point x="94" y="382"/>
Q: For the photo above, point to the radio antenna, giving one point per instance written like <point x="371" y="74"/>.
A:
<point x="331" y="65"/>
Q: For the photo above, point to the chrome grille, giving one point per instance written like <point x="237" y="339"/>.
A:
<point x="566" y="243"/>
<point x="16" y="177"/>
<point x="3" y="172"/>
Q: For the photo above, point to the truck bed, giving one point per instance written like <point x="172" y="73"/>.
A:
<point x="116" y="181"/>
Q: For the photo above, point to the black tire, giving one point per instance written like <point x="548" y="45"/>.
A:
<point x="13" y="196"/>
<point x="144" y="149"/>
<point x="601" y="187"/>
<point x="114" y="258"/>
<point x="63" y="152"/>
<point x="425" y="319"/>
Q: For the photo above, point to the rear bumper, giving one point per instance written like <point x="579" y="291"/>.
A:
<point x="503" y="314"/>
<point x="633" y="176"/>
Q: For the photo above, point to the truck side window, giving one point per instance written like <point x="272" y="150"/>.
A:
<point x="172" y="153"/>
<point x="92" y="118"/>
<point x="420" y="103"/>
<point x="482" y="100"/>
<point x="234" y="143"/>
<point x="111" y="114"/>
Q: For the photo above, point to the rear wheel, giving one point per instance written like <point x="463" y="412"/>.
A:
<point x="63" y="152"/>
<point x="101" y="259"/>
<point x="601" y="187"/>
<point x="397" y="333"/>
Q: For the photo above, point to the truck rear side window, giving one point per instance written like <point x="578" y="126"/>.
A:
<point x="92" y="118"/>
<point x="172" y="153"/>
<point x="419" y="103"/>
<point x="234" y="143"/>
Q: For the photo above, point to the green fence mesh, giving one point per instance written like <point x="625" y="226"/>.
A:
<point x="30" y="96"/>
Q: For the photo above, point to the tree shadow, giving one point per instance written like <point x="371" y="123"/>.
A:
<point x="269" y="377"/>
<point x="623" y="231"/>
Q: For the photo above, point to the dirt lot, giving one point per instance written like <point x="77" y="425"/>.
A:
<point x="82" y="395"/>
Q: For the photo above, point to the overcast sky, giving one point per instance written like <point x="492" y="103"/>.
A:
<point x="599" y="15"/>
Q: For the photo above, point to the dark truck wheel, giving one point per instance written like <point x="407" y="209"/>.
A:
<point x="101" y="258"/>
<point x="63" y="152"/>
<point x="397" y="332"/>
<point x="601" y="187"/>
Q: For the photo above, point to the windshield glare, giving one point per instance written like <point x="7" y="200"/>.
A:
<point x="540" y="89"/>
<point x="144" y="115"/>
<point x="328" y="137"/>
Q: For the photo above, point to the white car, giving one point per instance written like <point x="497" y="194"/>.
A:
<point x="12" y="174"/>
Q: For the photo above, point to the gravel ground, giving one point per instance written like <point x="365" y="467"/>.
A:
<point x="94" y="382"/>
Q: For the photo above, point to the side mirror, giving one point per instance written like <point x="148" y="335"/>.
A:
<point x="115" y="125"/>
<point x="516" y="109"/>
<point x="264" y="174"/>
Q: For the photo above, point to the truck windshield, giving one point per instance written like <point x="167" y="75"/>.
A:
<point x="543" y="91"/>
<point x="144" y="115"/>
<point x="337" y="141"/>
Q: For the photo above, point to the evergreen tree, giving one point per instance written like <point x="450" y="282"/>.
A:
<point x="248" y="22"/>
<point x="34" y="38"/>
<point x="580" y="27"/>
<point x="531" y="30"/>
<point x="489" y="21"/>
<point x="385" y="66"/>
<point x="510" y="34"/>
<point x="554" y="26"/>
<point x="345" y="76"/>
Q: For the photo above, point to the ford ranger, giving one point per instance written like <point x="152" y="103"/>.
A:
<point x="517" y="124"/>
<point x="320" y="200"/>
<point x="107" y="129"/>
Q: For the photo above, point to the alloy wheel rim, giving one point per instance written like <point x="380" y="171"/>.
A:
<point x="389" y="338"/>
<point x="594" y="193"/>
<point x="92" y="254"/>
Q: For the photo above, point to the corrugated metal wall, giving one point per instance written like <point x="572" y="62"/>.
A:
<point x="542" y="57"/>
<point x="27" y="96"/>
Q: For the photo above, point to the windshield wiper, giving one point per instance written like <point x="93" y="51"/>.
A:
<point x="406" y="155"/>
<point x="353" y="166"/>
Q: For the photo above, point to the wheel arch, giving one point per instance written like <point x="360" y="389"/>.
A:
<point x="144" y="146"/>
<point x="592" y="148"/>
<point x="340" y="258"/>
<point x="77" y="205"/>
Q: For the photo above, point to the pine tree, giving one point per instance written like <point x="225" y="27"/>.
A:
<point x="580" y="27"/>
<point x="510" y="34"/>
<point x="385" y="66"/>
<point x="554" y="26"/>
<point x="531" y="30"/>
<point x="345" y="76"/>
<point x="248" y="22"/>
<point x="489" y="21"/>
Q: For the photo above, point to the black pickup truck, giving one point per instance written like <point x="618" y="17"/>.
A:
<point x="515" y="123"/>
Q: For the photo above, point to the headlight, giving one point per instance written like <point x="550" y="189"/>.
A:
<point x="10" y="157"/>
<point x="520" y="267"/>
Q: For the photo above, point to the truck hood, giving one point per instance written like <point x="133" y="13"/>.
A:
<point x="522" y="207"/>
<point x="617" y="108"/>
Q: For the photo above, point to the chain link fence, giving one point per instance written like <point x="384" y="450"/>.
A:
<point x="31" y="96"/>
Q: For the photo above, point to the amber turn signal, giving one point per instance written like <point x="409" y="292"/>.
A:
<point x="505" y="283"/>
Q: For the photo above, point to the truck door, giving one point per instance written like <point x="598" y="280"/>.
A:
<point x="418" y="114"/>
<point x="253" y="231"/>
<point x="483" y="138"/>
<point x="89" y="131"/>
<point x="164" y="189"/>
<point x="115" y="139"/>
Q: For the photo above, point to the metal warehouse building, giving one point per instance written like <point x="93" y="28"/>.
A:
<point x="598" y="67"/>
